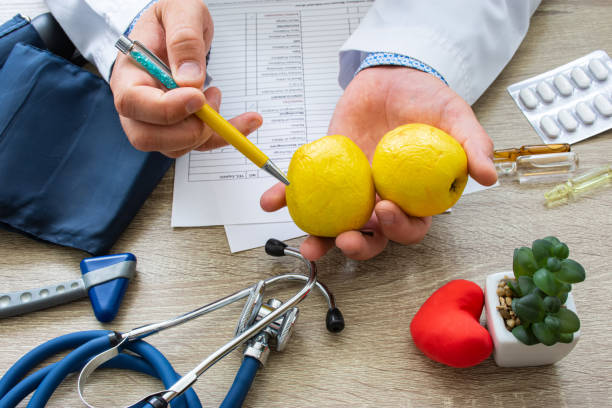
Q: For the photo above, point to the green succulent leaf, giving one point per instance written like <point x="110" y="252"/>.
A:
<point x="544" y="334"/>
<point x="561" y="251"/>
<point x="569" y="321"/>
<point x="541" y="249"/>
<point x="553" y="264"/>
<point x="552" y="304"/>
<point x="526" y="285"/>
<point x="529" y="308"/>
<point x="563" y="297"/>
<point x="566" y="337"/>
<point x="570" y="271"/>
<point x="553" y="323"/>
<point x="552" y="240"/>
<point x="524" y="335"/>
<point x="564" y="287"/>
<point x="523" y="263"/>
<point x="545" y="281"/>
<point x="515" y="288"/>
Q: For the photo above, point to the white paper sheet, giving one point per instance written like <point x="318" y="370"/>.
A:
<point x="241" y="237"/>
<point x="248" y="236"/>
<point x="279" y="59"/>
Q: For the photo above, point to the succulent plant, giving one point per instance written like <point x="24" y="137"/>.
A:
<point x="543" y="277"/>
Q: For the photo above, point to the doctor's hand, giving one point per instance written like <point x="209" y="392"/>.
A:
<point x="154" y="119"/>
<point x="378" y="100"/>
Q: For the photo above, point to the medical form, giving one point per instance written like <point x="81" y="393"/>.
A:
<point x="279" y="58"/>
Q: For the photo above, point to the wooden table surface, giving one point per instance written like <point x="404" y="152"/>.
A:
<point x="374" y="361"/>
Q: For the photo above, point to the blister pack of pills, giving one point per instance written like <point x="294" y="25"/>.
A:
<point x="569" y="103"/>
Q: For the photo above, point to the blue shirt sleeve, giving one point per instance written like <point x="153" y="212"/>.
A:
<point x="135" y="20"/>
<point x="374" y="59"/>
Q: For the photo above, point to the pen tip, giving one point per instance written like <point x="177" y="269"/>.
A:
<point x="276" y="172"/>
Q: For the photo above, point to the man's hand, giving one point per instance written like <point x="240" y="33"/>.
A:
<point x="179" y="32"/>
<point x="378" y="100"/>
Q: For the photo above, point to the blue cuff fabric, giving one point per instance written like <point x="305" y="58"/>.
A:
<point x="374" y="59"/>
<point x="135" y="20"/>
<point x="68" y="173"/>
<point x="17" y="29"/>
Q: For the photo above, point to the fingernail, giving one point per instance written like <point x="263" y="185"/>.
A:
<point x="386" y="217"/>
<point x="193" y="105"/>
<point x="254" y="124"/>
<point x="189" y="71"/>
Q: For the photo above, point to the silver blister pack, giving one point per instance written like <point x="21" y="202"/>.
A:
<point x="569" y="103"/>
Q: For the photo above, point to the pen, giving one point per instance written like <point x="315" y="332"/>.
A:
<point x="158" y="69"/>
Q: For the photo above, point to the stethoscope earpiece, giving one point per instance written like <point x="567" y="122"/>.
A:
<point x="274" y="247"/>
<point x="334" y="321"/>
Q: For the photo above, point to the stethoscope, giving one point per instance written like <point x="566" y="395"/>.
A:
<point x="260" y="325"/>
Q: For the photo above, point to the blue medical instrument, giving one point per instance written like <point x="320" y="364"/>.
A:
<point x="105" y="280"/>
<point x="259" y="323"/>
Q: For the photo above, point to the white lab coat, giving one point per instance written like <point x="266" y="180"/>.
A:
<point x="467" y="41"/>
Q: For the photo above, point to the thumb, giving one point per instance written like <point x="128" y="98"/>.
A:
<point x="461" y="123"/>
<point x="189" y="30"/>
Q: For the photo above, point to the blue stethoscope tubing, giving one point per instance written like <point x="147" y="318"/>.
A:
<point x="86" y="344"/>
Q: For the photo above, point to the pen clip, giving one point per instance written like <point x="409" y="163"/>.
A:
<point x="162" y="65"/>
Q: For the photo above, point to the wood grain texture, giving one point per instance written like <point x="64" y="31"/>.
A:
<point x="373" y="362"/>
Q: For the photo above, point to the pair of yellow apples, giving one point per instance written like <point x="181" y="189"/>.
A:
<point x="333" y="189"/>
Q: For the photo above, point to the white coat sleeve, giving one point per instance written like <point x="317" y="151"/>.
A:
<point x="95" y="25"/>
<point x="468" y="42"/>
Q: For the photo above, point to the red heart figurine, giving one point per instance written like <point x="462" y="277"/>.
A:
<point x="447" y="328"/>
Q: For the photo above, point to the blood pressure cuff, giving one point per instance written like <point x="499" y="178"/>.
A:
<point x="68" y="173"/>
<point x="17" y="29"/>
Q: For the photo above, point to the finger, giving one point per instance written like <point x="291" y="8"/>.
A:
<point x="152" y="105"/>
<point x="314" y="248"/>
<point x="274" y="198"/>
<point x="186" y="134"/>
<point x="188" y="27"/>
<point x="359" y="246"/>
<point x="480" y="162"/>
<point x="245" y="123"/>
<point x="459" y="120"/>
<point x="399" y="227"/>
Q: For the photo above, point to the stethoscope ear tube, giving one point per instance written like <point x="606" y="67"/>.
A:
<point x="40" y="353"/>
<point x="87" y="345"/>
<point x="148" y="360"/>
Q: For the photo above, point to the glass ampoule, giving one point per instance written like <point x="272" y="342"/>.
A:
<point x="539" y="167"/>
<point x="575" y="187"/>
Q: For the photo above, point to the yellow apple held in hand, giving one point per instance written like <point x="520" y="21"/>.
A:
<point x="420" y="168"/>
<point x="331" y="188"/>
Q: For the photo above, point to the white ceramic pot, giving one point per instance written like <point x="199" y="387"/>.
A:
<point x="508" y="350"/>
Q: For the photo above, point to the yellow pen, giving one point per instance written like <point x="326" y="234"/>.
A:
<point x="159" y="70"/>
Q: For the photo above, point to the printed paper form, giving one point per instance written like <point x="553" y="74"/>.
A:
<point x="279" y="59"/>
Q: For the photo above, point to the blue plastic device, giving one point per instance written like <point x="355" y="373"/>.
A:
<point x="104" y="279"/>
<point x="106" y="297"/>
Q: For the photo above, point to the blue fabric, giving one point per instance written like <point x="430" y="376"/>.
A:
<point x="17" y="29"/>
<point x="68" y="174"/>
<point x="375" y="59"/>
<point x="135" y="20"/>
